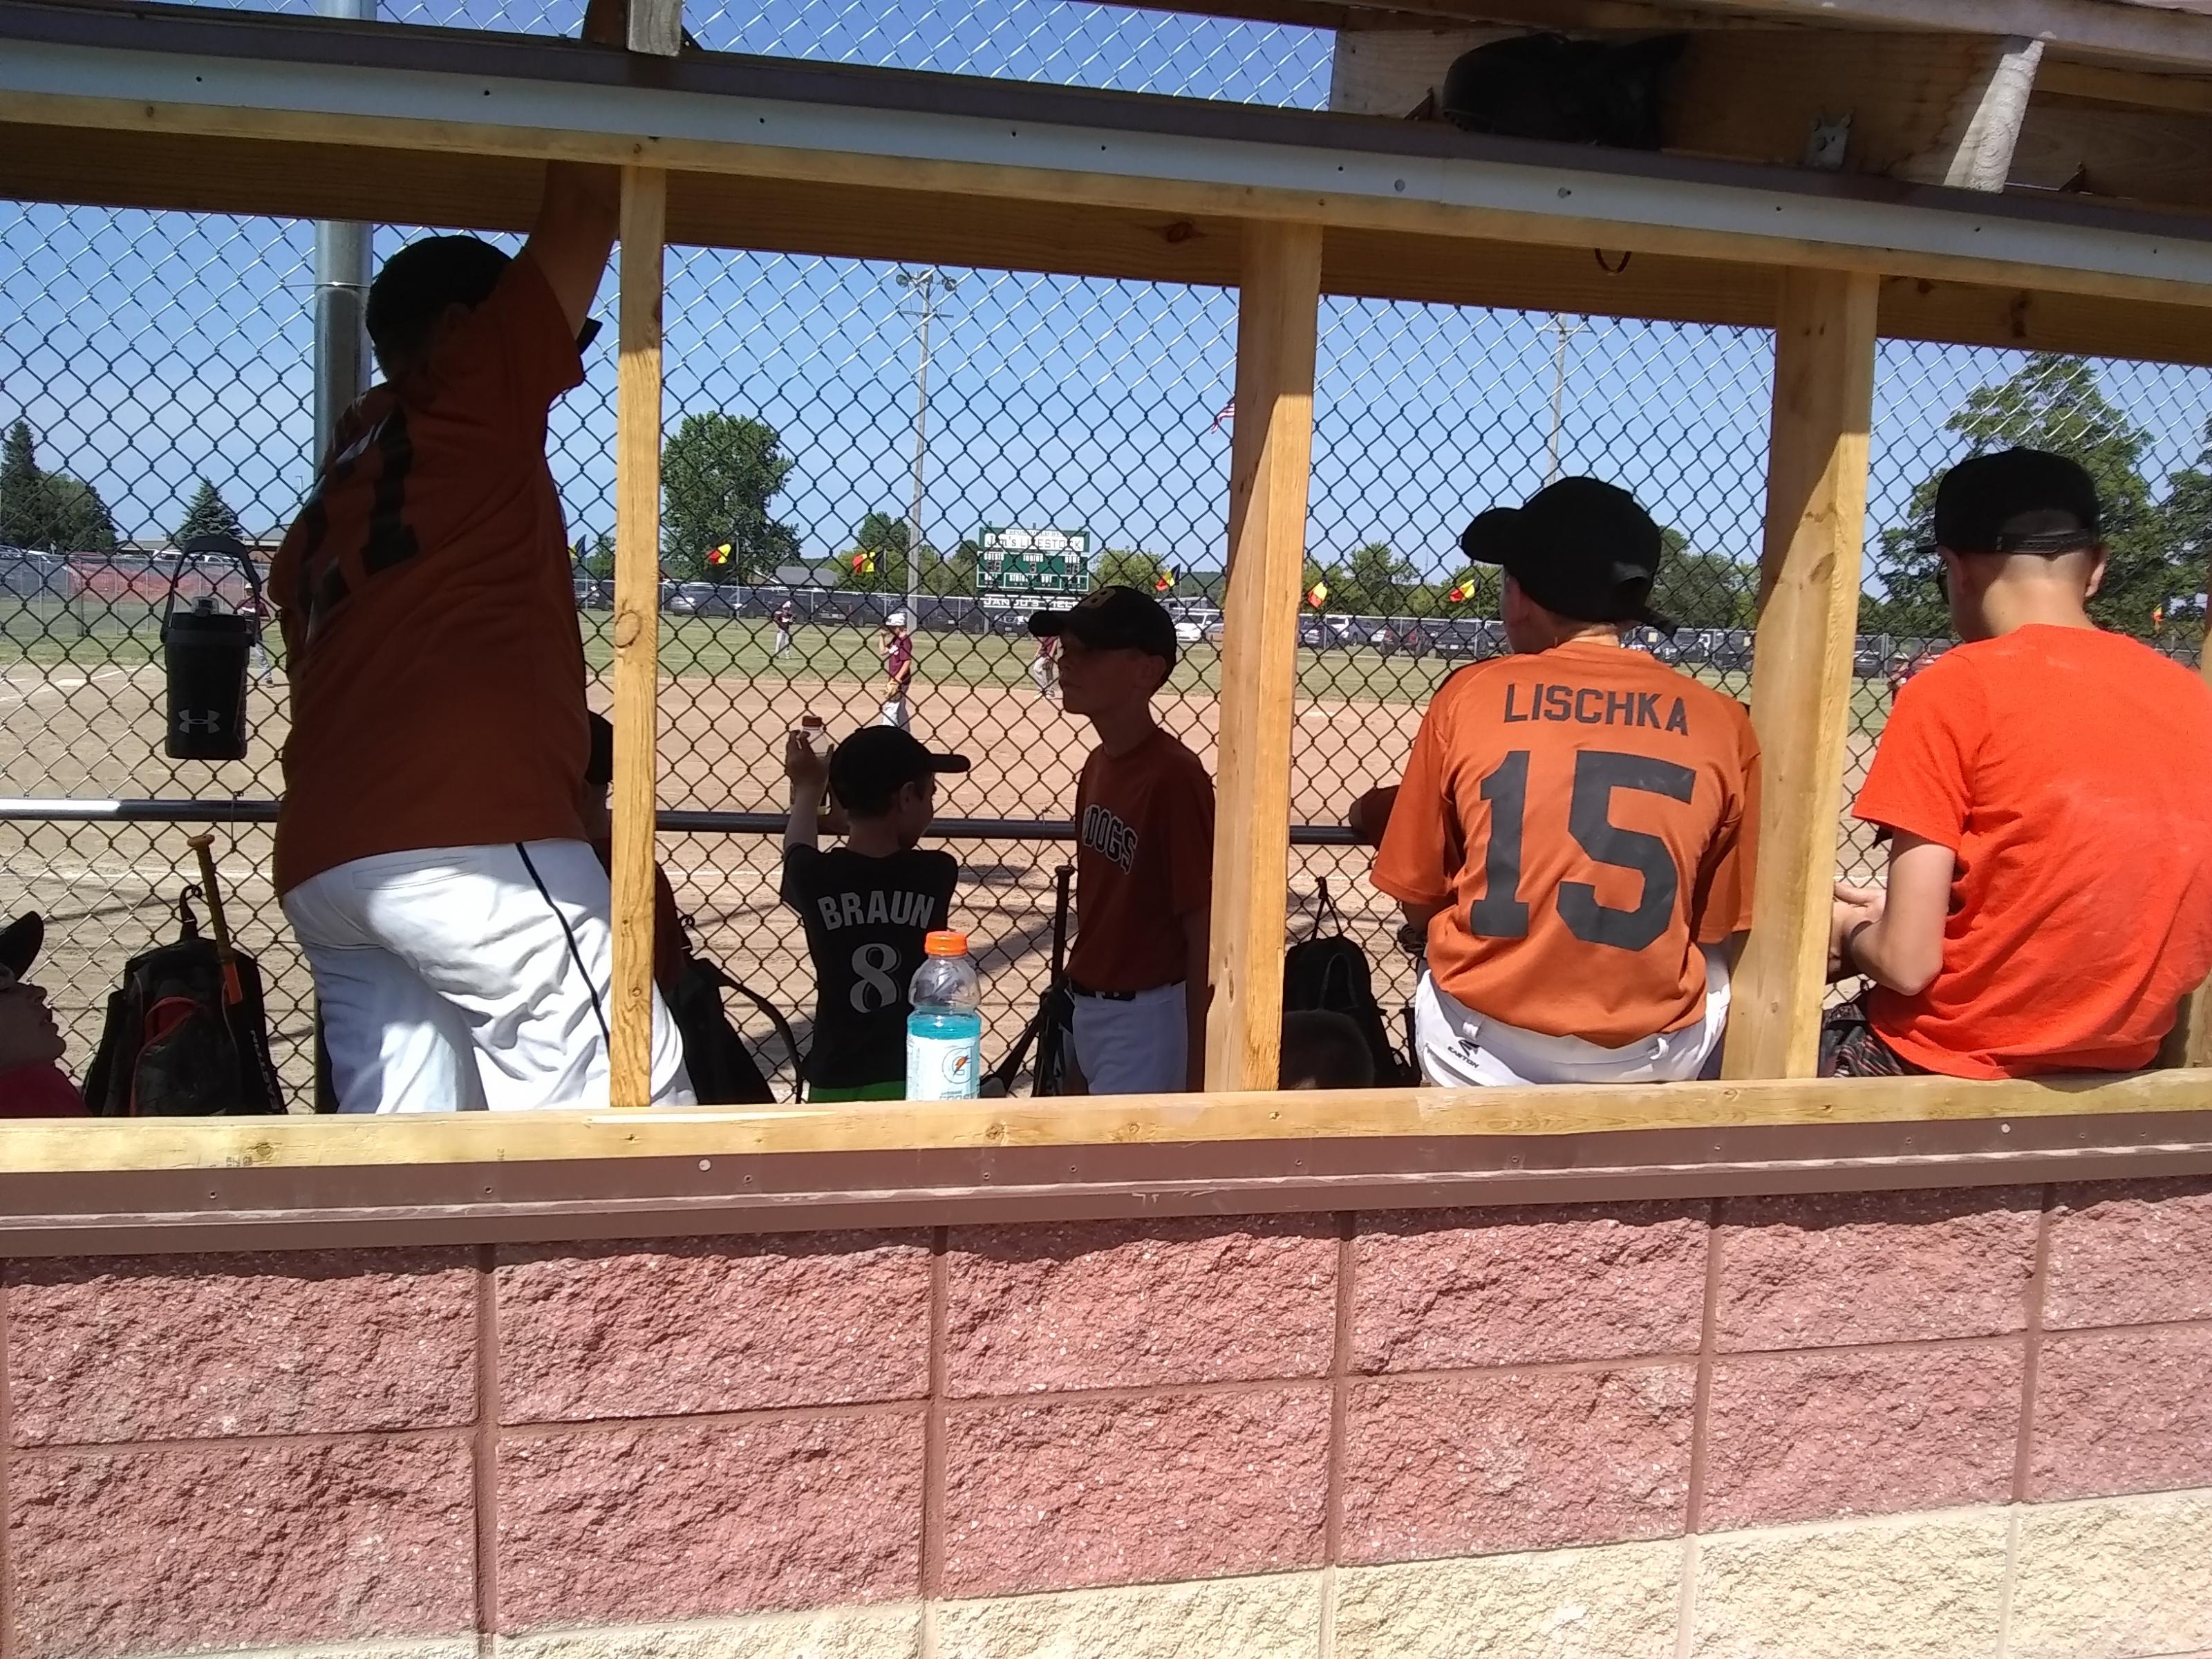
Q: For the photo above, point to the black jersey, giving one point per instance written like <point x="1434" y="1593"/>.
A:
<point x="866" y="919"/>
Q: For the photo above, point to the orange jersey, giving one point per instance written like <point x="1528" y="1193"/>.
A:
<point x="1143" y="832"/>
<point x="437" y="672"/>
<point x="1586" y="817"/>
<point x="2066" y="769"/>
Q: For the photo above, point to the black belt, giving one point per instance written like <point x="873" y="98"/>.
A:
<point x="1083" y="990"/>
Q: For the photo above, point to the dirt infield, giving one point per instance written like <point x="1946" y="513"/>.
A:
<point x="109" y="889"/>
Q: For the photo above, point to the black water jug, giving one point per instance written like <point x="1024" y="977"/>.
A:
<point x="205" y="650"/>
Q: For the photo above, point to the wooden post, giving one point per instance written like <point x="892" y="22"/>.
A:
<point x="1801" y="685"/>
<point x="2190" y="1042"/>
<point x="636" y="624"/>
<point x="1270" y="468"/>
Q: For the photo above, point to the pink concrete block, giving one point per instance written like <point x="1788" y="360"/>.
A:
<point x="1118" y="1304"/>
<point x="1807" y="1437"/>
<point x="1487" y="1463"/>
<point x="201" y="1346"/>
<point x="1131" y="1490"/>
<point x="2129" y="1253"/>
<point x="690" y="1521"/>
<point x="175" y="1549"/>
<point x="2124" y="1410"/>
<point x="1446" y="1288"/>
<point x="1824" y="1271"/>
<point x="672" y="1328"/>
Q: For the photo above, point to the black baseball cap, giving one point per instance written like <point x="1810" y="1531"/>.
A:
<point x="20" y="941"/>
<point x="2012" y="502"/>
<point x="599" y="758"/>
<point x="1580" y="548"/>
<point x="1112" y="619"/>
<point x="876" y="761"/>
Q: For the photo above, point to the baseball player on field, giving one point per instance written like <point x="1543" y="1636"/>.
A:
<point x="897" y="646"/>
<point x="1577" y="826"/>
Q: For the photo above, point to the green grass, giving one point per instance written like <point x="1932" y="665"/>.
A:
<point x="722" y="647"/>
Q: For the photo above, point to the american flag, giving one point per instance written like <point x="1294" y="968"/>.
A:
<point x="1228" y="413"/>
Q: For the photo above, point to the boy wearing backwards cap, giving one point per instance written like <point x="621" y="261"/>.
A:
<point x="1576" y="827"/>
<point x="1143" y="882"/>
<point x="868" y="906"/>
<point x="2049" y="899"/>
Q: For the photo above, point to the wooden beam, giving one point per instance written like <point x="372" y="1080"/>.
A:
<point x="1975" y="149"/>
<point x="1270" y="475"/>
<point x="2191" y="94"/>
<point x="2162" y="158"/>
<point x="485" y="192"/>
<point x="69" y="1145"/>
<point x="636" y="622"/>
<point x="1800" y="684"/>
<point x="656" y="27"/>
<point x="2190" y="1042"/>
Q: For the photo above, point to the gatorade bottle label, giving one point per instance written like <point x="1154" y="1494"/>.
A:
<point x="943" y="1068"/>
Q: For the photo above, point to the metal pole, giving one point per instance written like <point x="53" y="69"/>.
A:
<point x="1563" y="328"/>
<point x="920" y="453"/>
<point x="341" y="255"/>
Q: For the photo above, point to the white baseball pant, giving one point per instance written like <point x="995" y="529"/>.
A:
<point x="462" y="978"/>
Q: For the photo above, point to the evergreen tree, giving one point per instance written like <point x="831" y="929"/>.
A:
<point x="208" y="515"/>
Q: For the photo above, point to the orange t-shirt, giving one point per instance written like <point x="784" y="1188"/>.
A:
<point x="2071" y="770"/>
<point x="1143" y="859"/>
<point x="1586" y="817"/>
<point x="429" y="619"/>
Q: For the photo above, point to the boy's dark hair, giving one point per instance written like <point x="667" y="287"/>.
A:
<point x="1323" y="1049"/>
<point x="419" y="282"/>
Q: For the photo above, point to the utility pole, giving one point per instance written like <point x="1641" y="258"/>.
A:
<point x="934" y="289"/>
<point x="342" y="255"/>
<point x="1562" y="327"/>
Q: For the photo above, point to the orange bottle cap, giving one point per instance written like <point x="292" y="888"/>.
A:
<point x="946" y="944"/>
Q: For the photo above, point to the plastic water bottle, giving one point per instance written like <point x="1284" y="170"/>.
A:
<point x="945" y="1032"/>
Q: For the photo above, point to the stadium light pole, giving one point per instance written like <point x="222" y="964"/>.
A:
<point x="341" y="258"/>
<point x="1563" y="327"/>
<point x="932" y="286"/>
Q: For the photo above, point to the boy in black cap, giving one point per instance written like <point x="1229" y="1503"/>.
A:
<point x="2048" y="898"/>
<point x="1144" y="883"/>
<point x="1577" y="823"/>
<point x="868" y="905"/>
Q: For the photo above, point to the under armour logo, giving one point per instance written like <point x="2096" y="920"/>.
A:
<point x="210" y="723"/>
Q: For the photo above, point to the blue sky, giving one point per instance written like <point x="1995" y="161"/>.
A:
<point x="147" y="349"/>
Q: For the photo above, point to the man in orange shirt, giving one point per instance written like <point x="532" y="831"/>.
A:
<point x="430" y="854"/>
<point x="1576" y="827"/>
<point x="2048" y="791"/>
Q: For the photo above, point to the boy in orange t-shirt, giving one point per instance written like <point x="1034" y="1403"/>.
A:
<point x="1576" y="827"/>
<point x="2048" y="791"/>
<point x="1144" y="861"/>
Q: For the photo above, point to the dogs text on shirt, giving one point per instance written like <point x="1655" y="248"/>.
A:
<point x="1104" y="832"/>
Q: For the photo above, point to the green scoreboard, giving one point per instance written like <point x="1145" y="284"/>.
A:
<point x="1018" y="568"/>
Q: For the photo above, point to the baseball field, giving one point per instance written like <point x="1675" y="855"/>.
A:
<point x="82" y="716"/>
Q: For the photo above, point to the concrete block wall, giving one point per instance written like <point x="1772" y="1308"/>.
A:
<point x="1970" y="1422"/>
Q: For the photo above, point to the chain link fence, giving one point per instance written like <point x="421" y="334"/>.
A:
<point x="864" y="439"/>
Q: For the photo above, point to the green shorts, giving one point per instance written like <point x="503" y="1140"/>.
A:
<point x="866" y="1091"/>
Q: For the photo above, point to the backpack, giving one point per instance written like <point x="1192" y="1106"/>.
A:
<point x="1332" y="973"/>
<point x="1051" y="1029"/>
<point x="177" y="1043"/>
<point x="723" y="1071"/>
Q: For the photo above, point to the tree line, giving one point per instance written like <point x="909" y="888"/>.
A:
<point x="721" y="474"/>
